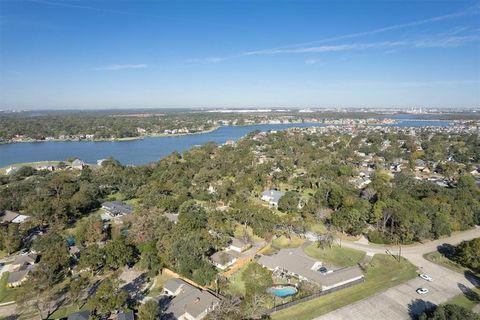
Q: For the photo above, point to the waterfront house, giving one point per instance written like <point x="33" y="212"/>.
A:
<point x="78" y="164"/>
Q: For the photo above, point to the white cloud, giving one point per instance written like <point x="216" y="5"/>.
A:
<point x="116" y="67"/>
<point x="433" y="42"/>
<point x="312" y="61"/>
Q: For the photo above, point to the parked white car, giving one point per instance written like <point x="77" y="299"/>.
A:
<point x="422" y="291"/>
<point x="426" y="277"/>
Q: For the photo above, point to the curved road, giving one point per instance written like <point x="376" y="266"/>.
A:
<point x="400" y="302"/>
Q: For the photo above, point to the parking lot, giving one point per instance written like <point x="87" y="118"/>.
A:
<point x="402" y="301"/>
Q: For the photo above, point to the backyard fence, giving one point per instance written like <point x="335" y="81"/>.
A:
<point x="313" y="296"/>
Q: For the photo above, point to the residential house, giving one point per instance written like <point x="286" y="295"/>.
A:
<point x="125" y="315"/>
<point x="115" y="209"/>
<point x="296" y="263"/>
<point x="79" y="315"/>
<point x="188" y="302"/>
<point x="11" y="170"/>
<point x="17" y="278"/>
<point x="272" y="197"/>
<point x="24" y="259"/>
<point x="223" y="259"/>
<point x="238" y="245"/>
<point x="173" y="217"/>
<point x="78" y="164"/>
<point x="7" y="216"/>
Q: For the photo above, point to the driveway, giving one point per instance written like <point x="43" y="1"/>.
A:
<point x="401" y="302"/>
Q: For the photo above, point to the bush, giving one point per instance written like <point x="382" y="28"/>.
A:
<point x="378" y="237"/>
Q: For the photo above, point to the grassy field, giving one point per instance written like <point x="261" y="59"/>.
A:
<point x="159" y="283"/>
<point x="468" y="302"/>
<point x="335" y="256"/>
<point x="64" y="312"/>
<point x="236" y="286"/>
<point x="7" y="294"/>
<point x="438" y="258"/>
<point x="284" y="242"/>
<point x="383" y="272"/>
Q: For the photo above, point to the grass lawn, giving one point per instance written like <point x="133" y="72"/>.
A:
<point x="7" y="294"/>
<point x="64" y="311"/>
<point x="317" y="227"/>
<point x="438" y="258"/>
<point x="284" y="242"/>
<point x="383" y="272"/>
<point x="467" y="302"/>
<point x="335" y="256"/>
<point x="160" y="282"/>
<point x="236" y="286"/>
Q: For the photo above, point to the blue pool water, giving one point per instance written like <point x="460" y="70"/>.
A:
<point x="283" y="292"/>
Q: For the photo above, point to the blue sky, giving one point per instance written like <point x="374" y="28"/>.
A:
<point x="105" y="54"/>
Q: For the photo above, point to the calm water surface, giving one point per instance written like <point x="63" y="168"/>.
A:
<point x="143" y="151"/>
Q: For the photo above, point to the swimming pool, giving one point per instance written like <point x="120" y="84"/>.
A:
<point x="283" y="291"/>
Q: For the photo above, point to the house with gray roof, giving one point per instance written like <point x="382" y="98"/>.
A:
<point x="222" y="259"/>
<point x="116" y="208"/>
<point x="79" y="315"/>
<point x="238" y="245"/>
<point x="272" y="197"/>
<point x="189" y="302"/>
<point x="20" y="260"/>
<point x="125" y="315"/>
<point x="78" y="164"/>
<point x="298" y="264"/>
<point x="17" y="278"/>
<point x="172" y="286"/>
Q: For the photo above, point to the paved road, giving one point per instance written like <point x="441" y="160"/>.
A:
<point x="400" y="302"/>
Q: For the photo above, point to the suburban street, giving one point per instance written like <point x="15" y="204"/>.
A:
<point x="402" y="301"/>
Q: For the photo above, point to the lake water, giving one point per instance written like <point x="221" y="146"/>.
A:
<point x="146" y="150"/>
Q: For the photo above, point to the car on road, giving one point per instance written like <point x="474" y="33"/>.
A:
<point x="323" y="270"/>
<point x="426" y="277"/>
<point x="422" y="291"/>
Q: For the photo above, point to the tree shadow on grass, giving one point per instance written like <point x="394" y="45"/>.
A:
<point x="473" y="278"/>
<point x="469" y="293"/>
<point x="419" y="306"/>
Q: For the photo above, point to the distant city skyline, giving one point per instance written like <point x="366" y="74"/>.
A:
<point x="326" y="54"/>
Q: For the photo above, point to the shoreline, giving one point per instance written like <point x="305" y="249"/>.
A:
<point x="114" y="139"/>
<point x="154" y="135"/>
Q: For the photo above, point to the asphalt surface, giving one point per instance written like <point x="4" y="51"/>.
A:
<point x="402" y="302"/>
